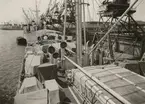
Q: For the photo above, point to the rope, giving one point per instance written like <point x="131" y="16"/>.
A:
<point x="139" y="4"/>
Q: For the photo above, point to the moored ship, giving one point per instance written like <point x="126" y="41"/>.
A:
<point x="53" y="73"/>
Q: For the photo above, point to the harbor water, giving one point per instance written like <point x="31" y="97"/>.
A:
<point x="11" y="56"/>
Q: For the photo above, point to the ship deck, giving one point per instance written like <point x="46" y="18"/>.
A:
<point x="117" y="85"/>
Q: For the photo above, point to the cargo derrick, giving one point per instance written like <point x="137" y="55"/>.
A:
<point x="127" y="32"/>
<point x="70" y="17"/>
<point x="106" y="84"/>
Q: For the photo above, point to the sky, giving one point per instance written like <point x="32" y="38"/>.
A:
<point x="11" y="10"/>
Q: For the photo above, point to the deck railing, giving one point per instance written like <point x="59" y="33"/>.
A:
<point x="102" y="85"/>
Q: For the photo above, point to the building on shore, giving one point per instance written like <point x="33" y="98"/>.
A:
<point x="9" y="26"/>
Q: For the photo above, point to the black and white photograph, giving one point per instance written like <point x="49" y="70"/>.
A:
<point x="72" y="51"/>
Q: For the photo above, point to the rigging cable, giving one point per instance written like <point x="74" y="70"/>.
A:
<point x="89" y="15"/>
<point x="93" y="9"/>
<point x="97" y="3"/>
<point x="138" y="4"/>
<point x="32" y="13"/>
<point x="100" y="1"/>
<point x="39" y="3"/>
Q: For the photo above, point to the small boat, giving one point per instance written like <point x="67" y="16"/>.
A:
<point x="21" y="41"/>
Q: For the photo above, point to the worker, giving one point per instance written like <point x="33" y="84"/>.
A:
<point x="101" y="55"/>
<point x="106" y="56"/>
<point x="97" y="56"/>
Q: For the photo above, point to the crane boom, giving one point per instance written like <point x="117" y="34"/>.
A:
<point x="26" y="15"/>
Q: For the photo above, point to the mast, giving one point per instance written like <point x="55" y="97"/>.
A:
<point x="64" y="29"/>
<point x="84" y="25"/>
<point x="79" y="31"/>
<point x="48" y="9"/>
<point x="37" y="12"/>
